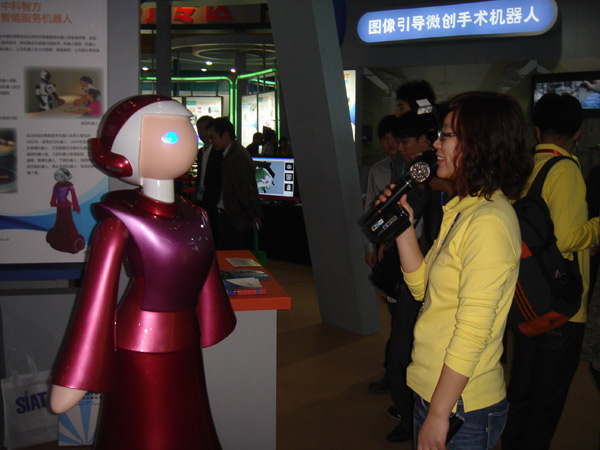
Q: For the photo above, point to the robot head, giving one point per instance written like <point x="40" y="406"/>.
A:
<point x="45" y="75"/>
<point x="145" y="136"/>
<point x="62" y="175"/>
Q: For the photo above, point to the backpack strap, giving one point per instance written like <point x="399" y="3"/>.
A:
<point x="536" y="187"/>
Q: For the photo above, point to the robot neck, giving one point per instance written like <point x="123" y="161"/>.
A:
<point x="161" y="190"/>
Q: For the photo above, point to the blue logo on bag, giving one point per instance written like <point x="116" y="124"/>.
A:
<point x="31" y="402"/>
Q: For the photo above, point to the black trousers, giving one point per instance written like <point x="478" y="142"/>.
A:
<point x="230" y="238"/>
<point x="542" y="371"/>
<point x="398" y="356"/>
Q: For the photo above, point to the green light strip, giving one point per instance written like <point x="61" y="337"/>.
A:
<point x="256" y="74"/>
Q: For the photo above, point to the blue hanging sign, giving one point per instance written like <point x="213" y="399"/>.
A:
<point x="489" y="18"/>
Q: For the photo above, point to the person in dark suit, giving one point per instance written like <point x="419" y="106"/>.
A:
<point x="202" y="126"/>
<point x="238" y="207"/>
<point x="208" y="181"/>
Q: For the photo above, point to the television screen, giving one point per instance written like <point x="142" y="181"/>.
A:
<point x="584" y="86"/>
<point x="275" y="177"/>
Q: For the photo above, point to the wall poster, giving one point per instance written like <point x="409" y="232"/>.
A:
<point x="205" y="106"/>
<point x="249" y="118"/>
<point x="267" y="115"/>
<point x="350" y="84"/>
<point x="53" y="91"/>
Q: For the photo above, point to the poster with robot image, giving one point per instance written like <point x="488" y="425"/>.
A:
<point x="53" y="95"/>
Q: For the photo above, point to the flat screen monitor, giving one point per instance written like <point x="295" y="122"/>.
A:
<point x="275" y="177"/>
<point x="584" y="86"/>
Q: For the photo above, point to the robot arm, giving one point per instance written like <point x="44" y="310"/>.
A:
<point x="63" y="399"/>
<point x="89" y="357"/>
<point x="215" y="314"/>
<point x="53" y="201"/>
<point x="76" y="207"/>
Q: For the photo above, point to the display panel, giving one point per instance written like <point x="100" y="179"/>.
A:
<point x="54" y="92"/>
<point x="204" y="106"/>
<point x="266" y="111"/>
<point x="275" y="177"/>
<point x="584" y="86"/>
<point x="249" y="118"/>
<point x="350" y="83"/>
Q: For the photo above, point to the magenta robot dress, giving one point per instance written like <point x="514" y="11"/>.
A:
<point x="63" y="236"/>
<point x="146" y="354"/>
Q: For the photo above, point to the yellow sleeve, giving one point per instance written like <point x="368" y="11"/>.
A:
<point x="490" y="256"/>
<point x="416" y="281"/>
<point x="564" y="193"/>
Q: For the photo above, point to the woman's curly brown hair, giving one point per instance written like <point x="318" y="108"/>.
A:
<point x="491" y="147"/>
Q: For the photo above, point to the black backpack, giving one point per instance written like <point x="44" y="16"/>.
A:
<point x="549" y="287"/>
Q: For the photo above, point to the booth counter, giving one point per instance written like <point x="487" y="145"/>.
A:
<point x="241" y="371"/>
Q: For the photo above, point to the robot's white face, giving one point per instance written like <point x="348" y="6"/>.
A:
<point x="168" y="146"/>
<point x="60" y="176"/>
<point x="159" y="141"/>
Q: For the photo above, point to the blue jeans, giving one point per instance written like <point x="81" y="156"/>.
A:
<point x="481" y="430"/>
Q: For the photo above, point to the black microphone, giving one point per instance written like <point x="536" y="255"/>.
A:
<point x="385" y="221"/>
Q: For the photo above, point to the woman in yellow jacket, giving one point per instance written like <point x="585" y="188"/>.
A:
<point x="467" y="279"/>
<point x="544" y="365"/>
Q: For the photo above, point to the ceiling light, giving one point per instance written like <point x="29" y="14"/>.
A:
<point x="232" y="70"/>
<point x="208" y="63"/>
<point x="145" y="68"/>
<point x="203" y="69"/>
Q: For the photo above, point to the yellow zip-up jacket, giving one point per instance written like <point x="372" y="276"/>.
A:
<point x="470" y="278"/>
<point x="564" y="193"/>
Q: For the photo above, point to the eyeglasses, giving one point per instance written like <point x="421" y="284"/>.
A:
<point x="442" y="136"/>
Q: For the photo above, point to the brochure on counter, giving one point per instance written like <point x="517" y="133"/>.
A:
<point x="242" y="262"/>
<point x="244" y="281"/>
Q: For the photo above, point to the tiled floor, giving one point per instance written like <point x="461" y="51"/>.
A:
<point x="323" y="372"/>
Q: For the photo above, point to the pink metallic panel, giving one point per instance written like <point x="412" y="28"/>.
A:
<point x="88" y="359"/>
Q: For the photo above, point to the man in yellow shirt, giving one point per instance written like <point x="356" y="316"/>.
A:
<point x="544" y="366"/>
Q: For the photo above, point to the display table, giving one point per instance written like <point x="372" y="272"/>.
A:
<point x="274" y="298"/>
<point x="241" y="371"/>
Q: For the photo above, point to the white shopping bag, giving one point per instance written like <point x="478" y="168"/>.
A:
<point x="27" y="419"/>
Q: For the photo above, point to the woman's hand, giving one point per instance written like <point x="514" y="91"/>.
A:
<point x="387" y="193"/>
<point x="407" y="243"/>
<point x="432" y="435"/>
<point x="448" y="390"/>
<point x="371" y="259"/>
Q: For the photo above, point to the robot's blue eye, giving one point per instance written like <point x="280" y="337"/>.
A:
<point x="170" y="137"/>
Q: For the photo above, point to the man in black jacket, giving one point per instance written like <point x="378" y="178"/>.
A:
<point x="238" y="207"/>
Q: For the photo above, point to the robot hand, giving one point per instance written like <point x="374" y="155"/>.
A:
<point x="63" y="399"/>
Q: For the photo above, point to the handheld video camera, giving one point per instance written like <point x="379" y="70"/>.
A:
<point x="385" y="221"/>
